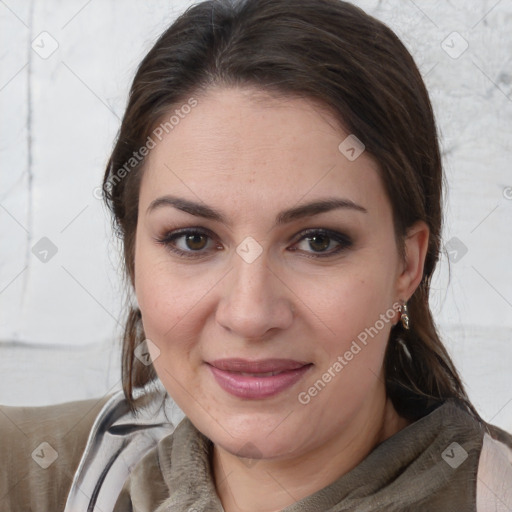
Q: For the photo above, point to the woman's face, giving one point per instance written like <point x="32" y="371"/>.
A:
<point x="262" y="247"/>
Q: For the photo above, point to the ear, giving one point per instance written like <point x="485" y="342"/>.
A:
<point x="416" y="245"/>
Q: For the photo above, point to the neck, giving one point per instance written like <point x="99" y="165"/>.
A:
<point x="270" y="485"/>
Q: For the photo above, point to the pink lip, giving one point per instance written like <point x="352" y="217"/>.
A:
<point x="228" y="374"/>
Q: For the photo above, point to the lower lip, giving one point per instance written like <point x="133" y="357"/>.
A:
<point x="253" y="387"/>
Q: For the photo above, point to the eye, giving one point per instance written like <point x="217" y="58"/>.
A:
<point x="323" y="242"/>
<point x="197" y="242"/>
<point x="190" y="242"/>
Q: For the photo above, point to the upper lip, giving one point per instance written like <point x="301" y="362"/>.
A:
<point x="259" y="366"/>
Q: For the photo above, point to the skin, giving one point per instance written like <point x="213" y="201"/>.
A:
<point x="251" y="156"/>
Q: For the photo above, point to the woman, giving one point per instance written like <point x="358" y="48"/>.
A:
<point x="277" y="185"/>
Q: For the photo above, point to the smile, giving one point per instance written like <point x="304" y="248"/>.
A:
<point x="257" y="379"/>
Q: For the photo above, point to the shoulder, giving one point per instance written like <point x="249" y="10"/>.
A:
<point x="494" y="477"/>
<point x="491" y="471"/>
<point x="42" y="447"/>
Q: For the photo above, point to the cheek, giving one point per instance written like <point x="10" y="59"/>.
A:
<point x="168" y="323"/>
<point x="356" y="306"/>
<point x="358" y="310"/>
<point x="158" y="292"/>
<point x="172" y="299"/>
<point x="167" y="314"/>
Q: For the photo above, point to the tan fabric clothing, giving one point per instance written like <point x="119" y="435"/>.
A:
<point x="429" y="466"/>
<point x="437" y="463"/>
<point x="30" y="479"/>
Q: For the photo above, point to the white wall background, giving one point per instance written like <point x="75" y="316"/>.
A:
<point x="59" y="115"/>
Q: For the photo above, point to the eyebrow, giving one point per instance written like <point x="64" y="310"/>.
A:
<point x="284" y="217"/>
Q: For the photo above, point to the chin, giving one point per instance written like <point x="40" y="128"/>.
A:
<point x="255" y="449"/>
<point x="252" y="441"/>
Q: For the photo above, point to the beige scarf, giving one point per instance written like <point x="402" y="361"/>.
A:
<point x="430" y="465"/>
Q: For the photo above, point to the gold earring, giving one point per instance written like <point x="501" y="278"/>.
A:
<point x="404" y="315"/>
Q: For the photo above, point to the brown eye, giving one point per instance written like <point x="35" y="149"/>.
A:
<point x="319" y="242"/>
<point x="191" y="242"/>
<point x="196" y="242"/>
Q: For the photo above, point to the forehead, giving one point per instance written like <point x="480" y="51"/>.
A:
<point x="244" y="144"/>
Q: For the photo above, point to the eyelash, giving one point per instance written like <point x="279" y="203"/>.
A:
<point x="343" y="240"/>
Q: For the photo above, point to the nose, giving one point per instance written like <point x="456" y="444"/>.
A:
<point x="255" y="300"/>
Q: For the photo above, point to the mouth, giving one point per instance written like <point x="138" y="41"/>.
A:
<point x="257" y="379"/>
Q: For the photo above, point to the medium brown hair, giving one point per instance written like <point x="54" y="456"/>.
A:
<point x="332" y="52"/>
